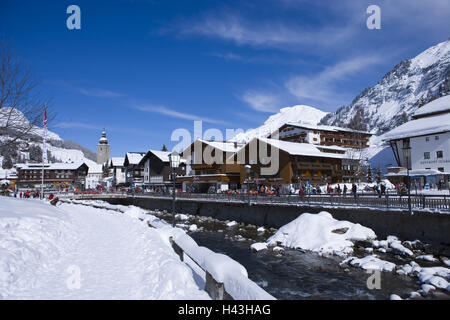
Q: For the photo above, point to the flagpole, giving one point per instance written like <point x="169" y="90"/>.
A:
<point x="44" y="150"/>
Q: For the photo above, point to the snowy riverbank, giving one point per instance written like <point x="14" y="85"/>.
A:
<point x="79" y="252"/>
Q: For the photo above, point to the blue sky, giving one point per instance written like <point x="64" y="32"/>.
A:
<point x="144" y="68"/>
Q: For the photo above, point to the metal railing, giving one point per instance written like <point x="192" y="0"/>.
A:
<point x="394" y="201"/>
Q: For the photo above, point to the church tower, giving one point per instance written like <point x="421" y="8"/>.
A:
<point x="103" y="149"/>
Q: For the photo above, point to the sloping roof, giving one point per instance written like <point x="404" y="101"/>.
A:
<point x="162" y="155"/>
<point x="416" y="172"/>
<point x="223" y="146"/>
<point x="95" y="169"/>
<point x="439" y="105"/>
<point x="305" y="149"/>
<point x="134" y="157"/>
<point x="311" y="126"/>
<point x="420" y="127"/>
<point x="49" y="166"/>
<point x="117" y="161"/>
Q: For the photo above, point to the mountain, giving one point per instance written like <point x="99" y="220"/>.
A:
<point x="29" y="146"/>
<point x="399" y="93"/>
<point x="299" y="113"/>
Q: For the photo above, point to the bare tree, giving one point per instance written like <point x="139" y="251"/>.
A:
<point x="21" y="107"/>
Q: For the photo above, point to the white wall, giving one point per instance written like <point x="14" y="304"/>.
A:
<point x="419" y="145"/>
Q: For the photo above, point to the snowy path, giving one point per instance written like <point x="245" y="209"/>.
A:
<point x="118" y="257"/>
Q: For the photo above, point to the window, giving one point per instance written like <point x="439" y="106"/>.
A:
<point x="441" y="169"/>
<point x="436" y="137"/>
<point x="426" y="155"/>
<point x="427" y="139"/>
<point x="439" y="154"/>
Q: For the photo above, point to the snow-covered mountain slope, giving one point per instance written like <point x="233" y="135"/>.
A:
<point x="398" y="95"/>
<point x="27" y="147"/>
<point x="14" y="119"/>
<point x="299" y="113"/>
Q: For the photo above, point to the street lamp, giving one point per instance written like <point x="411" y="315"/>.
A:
<point x="407" y="162"/>
<point x="248" y="168"/>
<point x="174" y="161"/>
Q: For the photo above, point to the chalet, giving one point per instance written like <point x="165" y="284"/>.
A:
<point x="117" y="171"/>
<point x="210" y="166"/>
<point x="422" y="145"/>
<point x="134" y="173"/>
<point x="157" y="171"/>
<point x="323" y="135"/>
<point x="293" y="163"/>
<point x="29" y="175"/>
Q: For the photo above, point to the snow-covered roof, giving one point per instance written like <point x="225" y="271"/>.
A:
<point x="416" y="172"/>
<point x="162" y="155"/>
<point x="305" y="149"/>
<point x="323" y="127"/>
<point x="95" y="169"/>
<point x="49" y="166"/>
<point x="134" y="157"/>
<point x="436" y="106"/>
<point x="117" y="161"/>
<point x="420" y="127"/>
<point x="223" y="146"/>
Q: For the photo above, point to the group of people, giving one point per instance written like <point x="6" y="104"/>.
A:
<point x="28" y="194"/>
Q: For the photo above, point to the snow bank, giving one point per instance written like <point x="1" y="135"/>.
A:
<point x="32" y="234"/>
<point x="321" y="233"/>
<point x="371" y="262"/>
<point x="118" y="256"/>
<point x="259" y="246"/>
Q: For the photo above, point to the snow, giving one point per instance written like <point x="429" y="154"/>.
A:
<point x="117" y="161"/>
<point x="193" y="227"/>
<point x="299" y="114"/>
<point x="426" y="288"/>
<point x="395" y="297"/>
<point x="314" y="232"/>
<point x="182" y="217"/>
<point x="438" y="105"/>
<point x="400" y="90"/>
<point x="259" y="246"/>
<point x="231" y="224"/>
<point x="304" y="149"/>
<point x="420" y="127"/>
<point x="371" y="262"/>
<point x="428" y="257"/>
<point x="117" y="256"/>
<point x="134" y="157"/>
<point x="397" y="246"/>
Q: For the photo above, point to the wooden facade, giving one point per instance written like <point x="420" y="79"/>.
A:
<point x="324" y="135"/>
<point x="56" y="174"/>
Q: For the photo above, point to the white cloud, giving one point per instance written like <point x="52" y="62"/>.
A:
<point x="262" y="102"/>
<point x="176" y="114"/>
<point x="270" y="33"/>
<point x="323" y="87"/>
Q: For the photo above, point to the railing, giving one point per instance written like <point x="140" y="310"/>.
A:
<point x="418" y="202"/>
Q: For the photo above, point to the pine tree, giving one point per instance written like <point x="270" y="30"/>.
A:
<point x="379" y="178"/>
<point x="369" y="175"/>
<point x="7" y="163"/>
<point x="164" y="148"/>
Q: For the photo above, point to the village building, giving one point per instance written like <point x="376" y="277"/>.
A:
<point x="323" y="135"/>
<point x="422" y="145"/>
<point x="134" y="172"/>
<point x="210" y="166"/>
<point x="56" y="175"/>
<point x="103" y="149"/>
<point x="299" y="164"/>
<point x="157" y="174"/>
<point x="94" y="176"/>
<point x="117" y="172"/>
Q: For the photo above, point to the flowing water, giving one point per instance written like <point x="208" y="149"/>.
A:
<point x="294" y="274"/>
